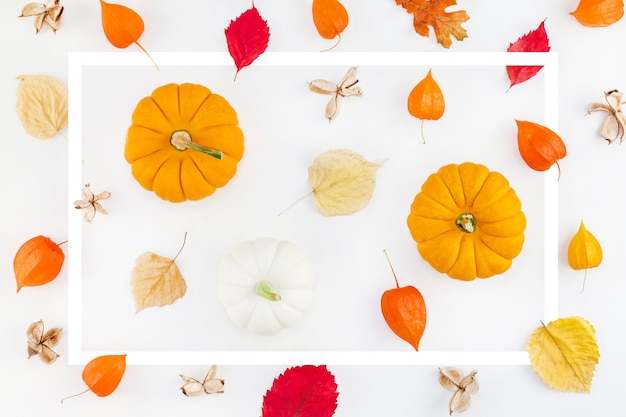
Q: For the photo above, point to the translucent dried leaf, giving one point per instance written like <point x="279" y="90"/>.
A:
<point x="210" y="385"/>
<point x="40" y="343"/>
<point x="564" y="353"/>
<point x="41" y="105"/>
<point x="342" y="181"/>
<point x="156" y="281"/>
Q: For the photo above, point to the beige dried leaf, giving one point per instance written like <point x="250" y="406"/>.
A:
<point x="40" y="343"/>
<point x="463" y="387"/>
<point x="210" y="385"/>
<point x="345" y="88"/>
<point x="41" y="105"/>
<point x="49" y="13"/>
<point x="156" y="281"/>
<point x="342" y="181"/>
<point x="90" y="203"/>
<point x="614" y="126"/>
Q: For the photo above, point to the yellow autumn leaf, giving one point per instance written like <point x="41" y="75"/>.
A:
<point x="342" y="181"/>
<point x="41" y="105"/>
<point x="565" y="353"/>
<point x="584" y="250"/>
<point x="156" y="281"/>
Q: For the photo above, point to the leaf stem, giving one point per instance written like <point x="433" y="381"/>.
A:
<point x="584" y="280"/>
<point x="62" y="243"/>
<point x="334" y="46"/>
<point x="391" y="266"/>
<point x="75" y="395"/>
<point x="149" y="56"/>
<point x="181" y="248"/>
<point x="296" y="202"/>
<point x="422" y="132"/>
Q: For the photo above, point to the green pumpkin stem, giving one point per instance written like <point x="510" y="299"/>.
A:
<point x="466" y="222"/>
<point x="181" y="140"/>
<point x="264" y="289"/>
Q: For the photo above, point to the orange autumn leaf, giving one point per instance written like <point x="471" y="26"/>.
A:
<point x="37" y="262"/>
<point x="122" y="26"/>
<point x="426" y="101"/>
<point x="103" y="374"/>
<point x="599" y="13"/>
<point x="539" y="146"/>
<point x="404" y="311"/>
<point x="433" y="13"/>
<point x="330" y="18"/>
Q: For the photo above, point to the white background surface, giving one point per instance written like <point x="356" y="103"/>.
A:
<point x="34" y="175"/>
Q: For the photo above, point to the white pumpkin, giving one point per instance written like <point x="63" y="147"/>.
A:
<point x="265" y="285"/>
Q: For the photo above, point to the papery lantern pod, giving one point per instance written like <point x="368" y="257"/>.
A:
<point x="599" y="13"/>
<point x="37" y="262"/>
<point x="539" y="146"/>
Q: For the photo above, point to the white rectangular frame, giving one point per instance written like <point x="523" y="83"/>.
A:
<point x="77" y="61"/>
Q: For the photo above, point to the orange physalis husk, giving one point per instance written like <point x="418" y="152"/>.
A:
<point x="426" y="101"/>
<point x="599" y="13"/>
<point x="103" y="374"/>
<point x="37" y="262"/>
<point x="404" y="311"/>
<point x="584" y="251"/>
<point x="330" y="19"/>
<point x="122" y="26"/>
<point x="539" y="146"/>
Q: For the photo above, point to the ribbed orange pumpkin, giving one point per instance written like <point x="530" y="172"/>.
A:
<point x="467" y="221"/>
<point x="184" y="142"/>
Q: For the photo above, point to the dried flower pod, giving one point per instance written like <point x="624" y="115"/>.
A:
<point x="49" y="13"/>
<point x="346" y="88"/>
<point x="210" y="385"/>
<point x="41" y="344"/>
<point x="463" y="387"/>
<point x="614" y="126"/>
<point x="90" y="203"/>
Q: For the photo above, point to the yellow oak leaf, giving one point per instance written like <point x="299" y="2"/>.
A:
<point x="565" y="353"/>
<point x="156" y="281"/>
<point x="342" y="181"/>
<point x="433" y="13"/>
<point x="41" y="105"/>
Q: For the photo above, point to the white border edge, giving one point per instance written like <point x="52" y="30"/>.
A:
<point x="77" y="60"/>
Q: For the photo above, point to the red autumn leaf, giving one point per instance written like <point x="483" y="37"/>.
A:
<point x="247" y="37"/>
<point x="302" y="391"/>
<point x="539" y="146"/>
<point x="103" y="374"/>
<point x="37" y="262"/>
<point x="534" y="41"/>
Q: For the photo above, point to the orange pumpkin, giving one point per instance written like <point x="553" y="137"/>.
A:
<point x="467" y="221"/>
<point x="184" y="142"/>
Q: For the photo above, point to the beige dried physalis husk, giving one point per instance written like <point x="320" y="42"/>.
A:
<point x="40" y="343"/>
<point x="210" y="385"/>
<point x="41" y="105"/>
<point x="614" y="125"/>
<point x="346" y="88"/>
<point x="49" y="13"/>
<point x="90" y="203"/>
<point x="463" y="387"/>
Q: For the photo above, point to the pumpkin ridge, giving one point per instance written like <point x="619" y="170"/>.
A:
<point x="485" y="244"/>
<point x="201" y="173"/>
<point x="452" y="215"/>
<point x="161" y="110"/>
<point x="199" y="107"/>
